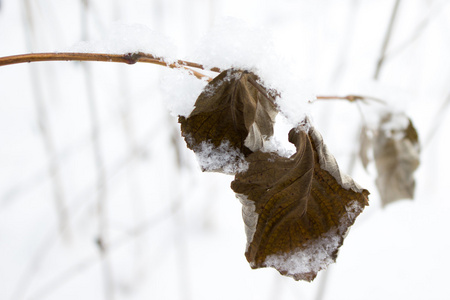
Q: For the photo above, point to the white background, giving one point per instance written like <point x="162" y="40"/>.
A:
<point x="173" y="232"/>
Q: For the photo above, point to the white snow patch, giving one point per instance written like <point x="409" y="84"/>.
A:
<point x="129" y="38"/>
<point x="180" y="91"/>
<point x="223" y="158"/>
<point x="354" y="208"/>
<point x="273" y="145"/>
<point x="232" y="43"/>
<point x="315" y="256"/>
<point x="394" y="125"/>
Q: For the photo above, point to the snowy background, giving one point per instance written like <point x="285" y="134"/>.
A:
<point x="91" y="157"/>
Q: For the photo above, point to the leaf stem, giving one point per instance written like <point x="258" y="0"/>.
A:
<point x="350" y="98"/>
<point x="128" y="58"/>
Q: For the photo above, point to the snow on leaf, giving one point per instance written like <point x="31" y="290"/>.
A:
<point x="297" y="210"/>
<point x="223" y="158"/>
<point x="233" y="109"/>
<point x="396" y="155"/>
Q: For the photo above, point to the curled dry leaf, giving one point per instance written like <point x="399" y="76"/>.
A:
<point x="396" y="155"/>
<point x="297" y="210"/>
<point x="233" y="115"/>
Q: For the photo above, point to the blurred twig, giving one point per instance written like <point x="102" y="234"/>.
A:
<point x="90" y="261"/>
<point x="418" y="32"/>
<point x="76" y="208"/>
<point x="102" y="196"/>
<point x="343" y="55"/>
<point x="34" y="180"/>
<point x="387" y="39"/>
<point x="350" y="98"/>
<point x="44" y="127"/>
<point x="437" y="121"/>
<point x="134" y="188"/>
<point x="180" y="240"/>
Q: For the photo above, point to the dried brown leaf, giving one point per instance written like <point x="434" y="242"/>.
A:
<point x="297" y="210"/>
<point x="396" y="155"/>
<point x="233" y="113"/>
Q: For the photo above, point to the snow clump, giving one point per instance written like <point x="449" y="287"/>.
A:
<point x="224" y="158"/>
<point x="180" y="90"/>
<point x="130" y="38"/>
<point x="316" y="255"/>
<point x="232" y="43"/>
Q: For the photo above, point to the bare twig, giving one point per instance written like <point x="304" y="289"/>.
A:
<point x="387" y="39"/>
<point x="350" y="98"/>
<point x="78" y="204"/>
<point x="323" y="284"/>
<point x="134" y="188"/>
<point x="418" y="32"/>
<point x="180" y="235"/>
<point x="70" y="273"/>
<point x="343" y="55"/>
<point x="45" y="130"/>
<point x="129" y="58"/>
<point x="437" y="121"/>
<point x="102" y="196"/>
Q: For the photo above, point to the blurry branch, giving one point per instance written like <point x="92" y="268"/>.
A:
<point x="94" y="14"/>
<point x="179" y="221"/>
<point x="79" y="205"/>
<point x="350" y="98"/>
<point x="134" y="188"/>
<point x="102" y="196"/>
<point x="129" y="58"/>
<point x="90" y="261"/>
<point x="420" y="29"/>
<point x="44" y="127"/>
<point x="343" y="54"/>
<point x="323" y="284"/>
<point x="437" y="121"/>
<point x="387" y="39"/>
<point x="33" y="181"/>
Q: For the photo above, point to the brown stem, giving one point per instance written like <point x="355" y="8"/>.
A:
<point x="350" y="98"/>
<point x="129" y="58"/>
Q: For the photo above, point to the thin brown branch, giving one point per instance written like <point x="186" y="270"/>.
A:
<point x="350" y="98"/>
<point x="129" y="58"/>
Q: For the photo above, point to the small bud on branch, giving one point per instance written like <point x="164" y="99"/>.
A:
<point x="129" y="58"/>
